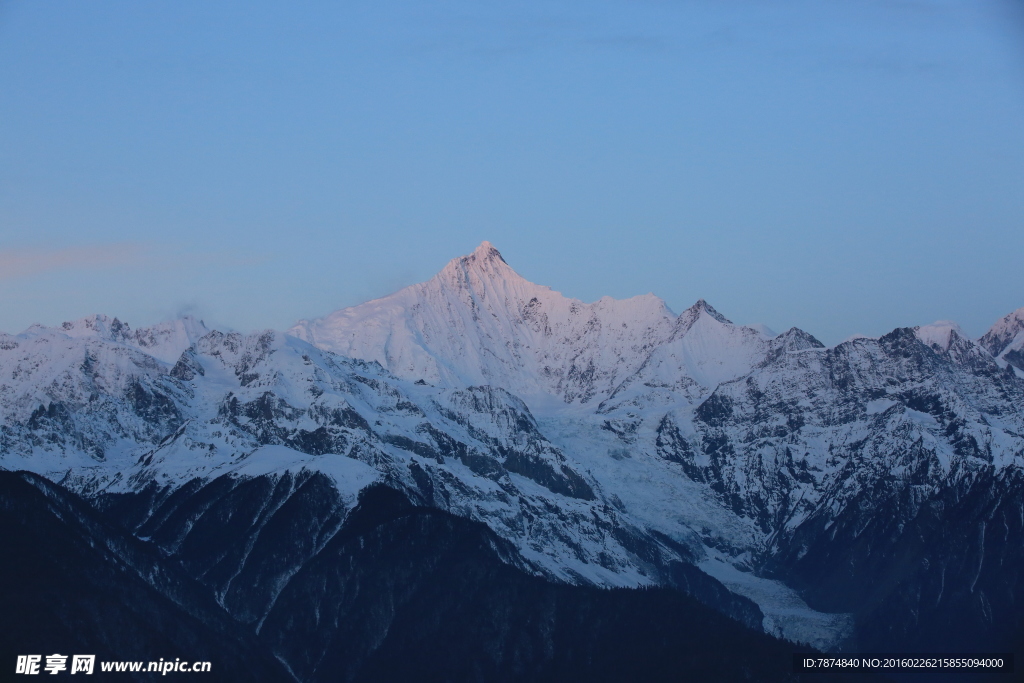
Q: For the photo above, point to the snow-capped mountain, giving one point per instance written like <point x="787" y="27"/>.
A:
<point x="613" y="443"/>
<point x="1005" y="340"/>
<point x="479" y="322"/>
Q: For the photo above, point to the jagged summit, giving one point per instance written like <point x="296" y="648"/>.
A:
<point x="1003" y="332"/>
<point x="688" y="318"/>
<point x="479" y="322"/>
<point x="1005" y="340"/>
<point x="704" y="306"/>
<point x="485" y="260"/>
<point x="940" y="334"/>
<point x="482" y="277"/>
<point x="486" y="250"/>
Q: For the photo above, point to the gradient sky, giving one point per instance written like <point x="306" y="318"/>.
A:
<point x="846" y="167"/>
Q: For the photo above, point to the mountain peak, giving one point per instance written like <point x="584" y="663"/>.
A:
<point x="690" y="315"/>
<point x="702" y="309"/>
<point x="485" y="255"/>
<point x="940" y="334"/>
<point x="484" y="263"/>
<point x="478" y="322"/>
<point x="1001" y="335"/>
<point x="487" y="251"/>
<point x="704" y="306"/>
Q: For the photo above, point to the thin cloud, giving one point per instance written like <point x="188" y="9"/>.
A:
<point x="28" y="262"/>
<point x="21" y="263"/>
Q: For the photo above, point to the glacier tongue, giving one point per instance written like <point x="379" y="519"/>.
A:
<point x="786" y="615"/>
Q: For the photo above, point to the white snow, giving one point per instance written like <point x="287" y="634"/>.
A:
<point x="939" y="334"/>
<point x="786" y="615"/>
<point x="1006" y="334"/>
<point x="479" y="322"/>
<point x="350" y="475"/>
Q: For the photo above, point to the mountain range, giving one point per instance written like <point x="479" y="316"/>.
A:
<point x="563" y="459"/>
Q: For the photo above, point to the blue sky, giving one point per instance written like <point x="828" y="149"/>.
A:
<point x="845" y="167"/>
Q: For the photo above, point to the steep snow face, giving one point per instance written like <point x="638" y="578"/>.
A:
<point x="803" y="434"/>
<point x="704" y="350"/>
<point x="1005" y="340"/>
<point x="479" y="322"/>
<point x="814" y="427"/>
<point x="47" y="376"/>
